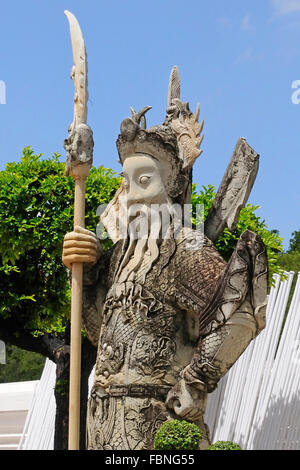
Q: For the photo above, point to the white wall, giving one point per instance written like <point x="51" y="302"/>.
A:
<point x="15" y="401"/>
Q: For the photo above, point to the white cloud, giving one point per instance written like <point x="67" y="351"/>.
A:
<point x="246" y="23"/>
<point x="224" y="22"/>
<point x="245" y="56"/>
<point x="248" y="55"/>
<point x="284" y="7"/>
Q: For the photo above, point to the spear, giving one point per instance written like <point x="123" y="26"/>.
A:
<point x="79" y="150"/>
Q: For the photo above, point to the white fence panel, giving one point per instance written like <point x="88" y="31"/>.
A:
<point x="38" y="432"/>
<point x="261" y="403"/>
<point x="276" y="421"/>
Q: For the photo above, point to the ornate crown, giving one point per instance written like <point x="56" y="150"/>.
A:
<point x="178" y="138"/>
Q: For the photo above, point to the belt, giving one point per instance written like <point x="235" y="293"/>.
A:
<point x="135" y="390"/>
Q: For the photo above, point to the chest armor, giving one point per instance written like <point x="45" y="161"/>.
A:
<point x="150" y="327"/>
<point x="140" y="339"/>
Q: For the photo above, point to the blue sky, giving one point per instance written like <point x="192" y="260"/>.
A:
<point x="237" y="58"/>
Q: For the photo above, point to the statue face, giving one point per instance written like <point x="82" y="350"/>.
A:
<point x="144" y="180"/>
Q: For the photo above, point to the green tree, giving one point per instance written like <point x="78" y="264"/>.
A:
<point x="290" y="261"/>
<point x="36" y="211"/>
<point x="21" y="365"/>
<point x="295" y="242"/>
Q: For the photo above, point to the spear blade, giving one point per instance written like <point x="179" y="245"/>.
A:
<point x="79" y="72"/>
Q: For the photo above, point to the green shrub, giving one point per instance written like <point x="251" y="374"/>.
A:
<point x="224" y="445"/>
<point x="177" y="435"/>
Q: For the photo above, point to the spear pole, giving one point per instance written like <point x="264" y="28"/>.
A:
<point x="79" y="149"/>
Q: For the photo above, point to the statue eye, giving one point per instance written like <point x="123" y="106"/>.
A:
<point x="144" y="179"/>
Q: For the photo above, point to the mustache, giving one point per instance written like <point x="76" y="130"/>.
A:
<point x="146" y="220"/>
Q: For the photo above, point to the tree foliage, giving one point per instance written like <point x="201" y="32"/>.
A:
<point x="21" y="365"/>
<point x="295" y="242"/>
<point x="290" y="261"/>
<point x="36" y="211"/>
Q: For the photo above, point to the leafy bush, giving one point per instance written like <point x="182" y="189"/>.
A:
<point x="224" y="445"/>
<point x="36" y="211"/>
<point x="177" y="435"/>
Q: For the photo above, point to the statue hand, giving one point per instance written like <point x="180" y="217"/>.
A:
<point x="81" y="246"/>
<point x="186" y="401"/>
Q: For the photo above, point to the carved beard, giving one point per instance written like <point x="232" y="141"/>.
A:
<point x="144" y="240"/>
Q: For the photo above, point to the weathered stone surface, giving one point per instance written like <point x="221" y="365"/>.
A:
<point x="234" y="190"/>
<point x="79" y="148"/>
<point x="168" y="314"/>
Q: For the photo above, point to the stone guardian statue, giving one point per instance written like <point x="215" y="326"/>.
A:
<point x="168" y="314"/>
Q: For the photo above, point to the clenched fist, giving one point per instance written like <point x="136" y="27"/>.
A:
<point x="186" y="402"/>
<point x="81" y="246"/>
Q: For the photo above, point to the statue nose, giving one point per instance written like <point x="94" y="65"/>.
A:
<point x="134" y="197"/>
